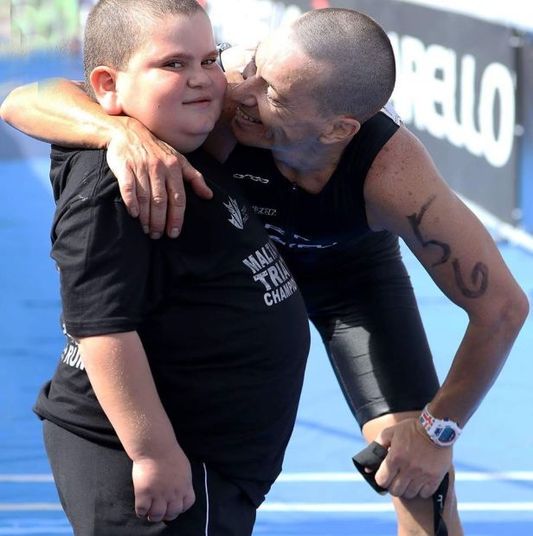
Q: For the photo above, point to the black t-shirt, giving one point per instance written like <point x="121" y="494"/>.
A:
<point x="219" y="315"/>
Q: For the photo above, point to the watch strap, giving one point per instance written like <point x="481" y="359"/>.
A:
<point x="442" y="432"/>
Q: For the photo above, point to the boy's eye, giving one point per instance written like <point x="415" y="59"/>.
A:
<point x="175" y="64"/>
<point x="210" y="61"/>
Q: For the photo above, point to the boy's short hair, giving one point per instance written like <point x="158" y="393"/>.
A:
<point x="115" y="29"/>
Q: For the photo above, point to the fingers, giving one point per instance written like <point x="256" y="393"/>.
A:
<point x="402" y="479"/>
<point x="158" y="206"/>
<point x="128" y="189"/>
<point x="427" y="490"/>
<point x="159" y="509"/>
<point x="177" y="199"/>
<point x="150" y="175"/>
<point x="192" y="175"/>
<point x="384" y="438"/>
<point x="412" y="490"/>
<point x="142" y="195"/>
<point x="143" y="503"/>
<point x="386" y="473"/>
<point x="174" y="509"/>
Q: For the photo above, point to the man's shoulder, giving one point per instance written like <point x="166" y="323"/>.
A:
<point x="389" y="111"/>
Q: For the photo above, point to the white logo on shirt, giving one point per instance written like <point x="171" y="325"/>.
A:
<point x="239" y="215"/>
<point x="265" y="211"/>
<point x="251" y="177"/>
<point x="280" y="236"/>
<point x="71" y="353"/>
<point x="269" y="269"/>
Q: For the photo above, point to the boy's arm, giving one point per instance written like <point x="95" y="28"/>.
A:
<point x="149" y="171"/>
<point x="122" y="381"/>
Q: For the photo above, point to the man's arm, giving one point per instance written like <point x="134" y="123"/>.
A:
<point x="406" y="195"/>
<point x="59" y="111"/>
<point x="149" y="171"/>
<point x="120" y="376"/>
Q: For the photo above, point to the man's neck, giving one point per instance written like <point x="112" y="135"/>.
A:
<point x="311" y="169"/>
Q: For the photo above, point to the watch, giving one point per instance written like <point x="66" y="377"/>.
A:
<point x="443" y="432"/>
<point x="220" y="48"/>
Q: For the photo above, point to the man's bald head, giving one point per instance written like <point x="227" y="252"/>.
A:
<point x="356" y="71"/>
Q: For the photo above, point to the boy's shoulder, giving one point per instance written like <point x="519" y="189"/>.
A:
<point x="216" y="175"/>
<point x="77" y="173"/>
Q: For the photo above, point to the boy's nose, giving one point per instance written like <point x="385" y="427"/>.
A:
<point x="200" y="77"/>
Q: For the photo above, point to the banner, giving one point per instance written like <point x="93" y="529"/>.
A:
<point x="456" y="90"/>
<point x="525" y="160"/>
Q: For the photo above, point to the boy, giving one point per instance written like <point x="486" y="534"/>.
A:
<point x="185" y="361"/>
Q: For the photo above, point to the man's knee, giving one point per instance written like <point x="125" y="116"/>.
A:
<point x="416" y="517"/>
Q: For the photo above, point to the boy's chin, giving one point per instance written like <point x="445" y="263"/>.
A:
<point x="188" y="143"/>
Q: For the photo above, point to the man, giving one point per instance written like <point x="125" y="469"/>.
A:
<point x="336" y="182"/>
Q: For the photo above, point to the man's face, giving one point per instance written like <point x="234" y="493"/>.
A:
<point x="273" y="108"/>
<point x="173" y="84"/>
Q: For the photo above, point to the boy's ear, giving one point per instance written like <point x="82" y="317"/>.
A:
<point x="339" y="129"/>
<point x="103" y="81"/>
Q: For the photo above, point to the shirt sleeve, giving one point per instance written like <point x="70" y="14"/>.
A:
<point x="104" y="261"/>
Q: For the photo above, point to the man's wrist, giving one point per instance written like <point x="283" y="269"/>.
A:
<point x="118" y="125"/>
<point x="441" y="432"/>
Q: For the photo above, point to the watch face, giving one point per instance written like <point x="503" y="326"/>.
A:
<point x="446" y="434"/>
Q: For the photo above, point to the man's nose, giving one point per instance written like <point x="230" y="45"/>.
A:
<point x="245" y="92"/>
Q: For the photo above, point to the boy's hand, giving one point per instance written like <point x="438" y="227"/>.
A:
<point x="150" y="175"/>
<point x="163" y="486"/>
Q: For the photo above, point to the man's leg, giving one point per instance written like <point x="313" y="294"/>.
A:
<point x="415" y="516"/>
<point x="372" y="331"/>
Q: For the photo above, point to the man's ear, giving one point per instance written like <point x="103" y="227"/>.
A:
<point x="340" y="129"/>
<point x="103" y="81"/>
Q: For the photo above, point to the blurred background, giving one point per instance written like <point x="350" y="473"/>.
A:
<point x="465" y="77"/>
<point x="465" y="87"/>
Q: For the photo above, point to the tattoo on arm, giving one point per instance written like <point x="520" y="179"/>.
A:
<point x="480" y="273"/>
<point x="479" y="277"/>
<point x="415" y="220"/>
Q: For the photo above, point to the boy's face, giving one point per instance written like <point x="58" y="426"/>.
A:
<point x="172" y="83"/>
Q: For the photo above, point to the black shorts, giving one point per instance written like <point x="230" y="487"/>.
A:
<point x="96" y="492"/>
<point x="369" y="322"/>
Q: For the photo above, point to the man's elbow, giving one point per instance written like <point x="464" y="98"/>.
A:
<point x="8" y="107"/>
<point x="513" y="311"/>
<point x="5" y="109"/>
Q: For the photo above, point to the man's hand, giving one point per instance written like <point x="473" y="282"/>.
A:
<point x="163" y="486"/>
<point x="150" y="175"/>
<point x="414" y="466"/>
